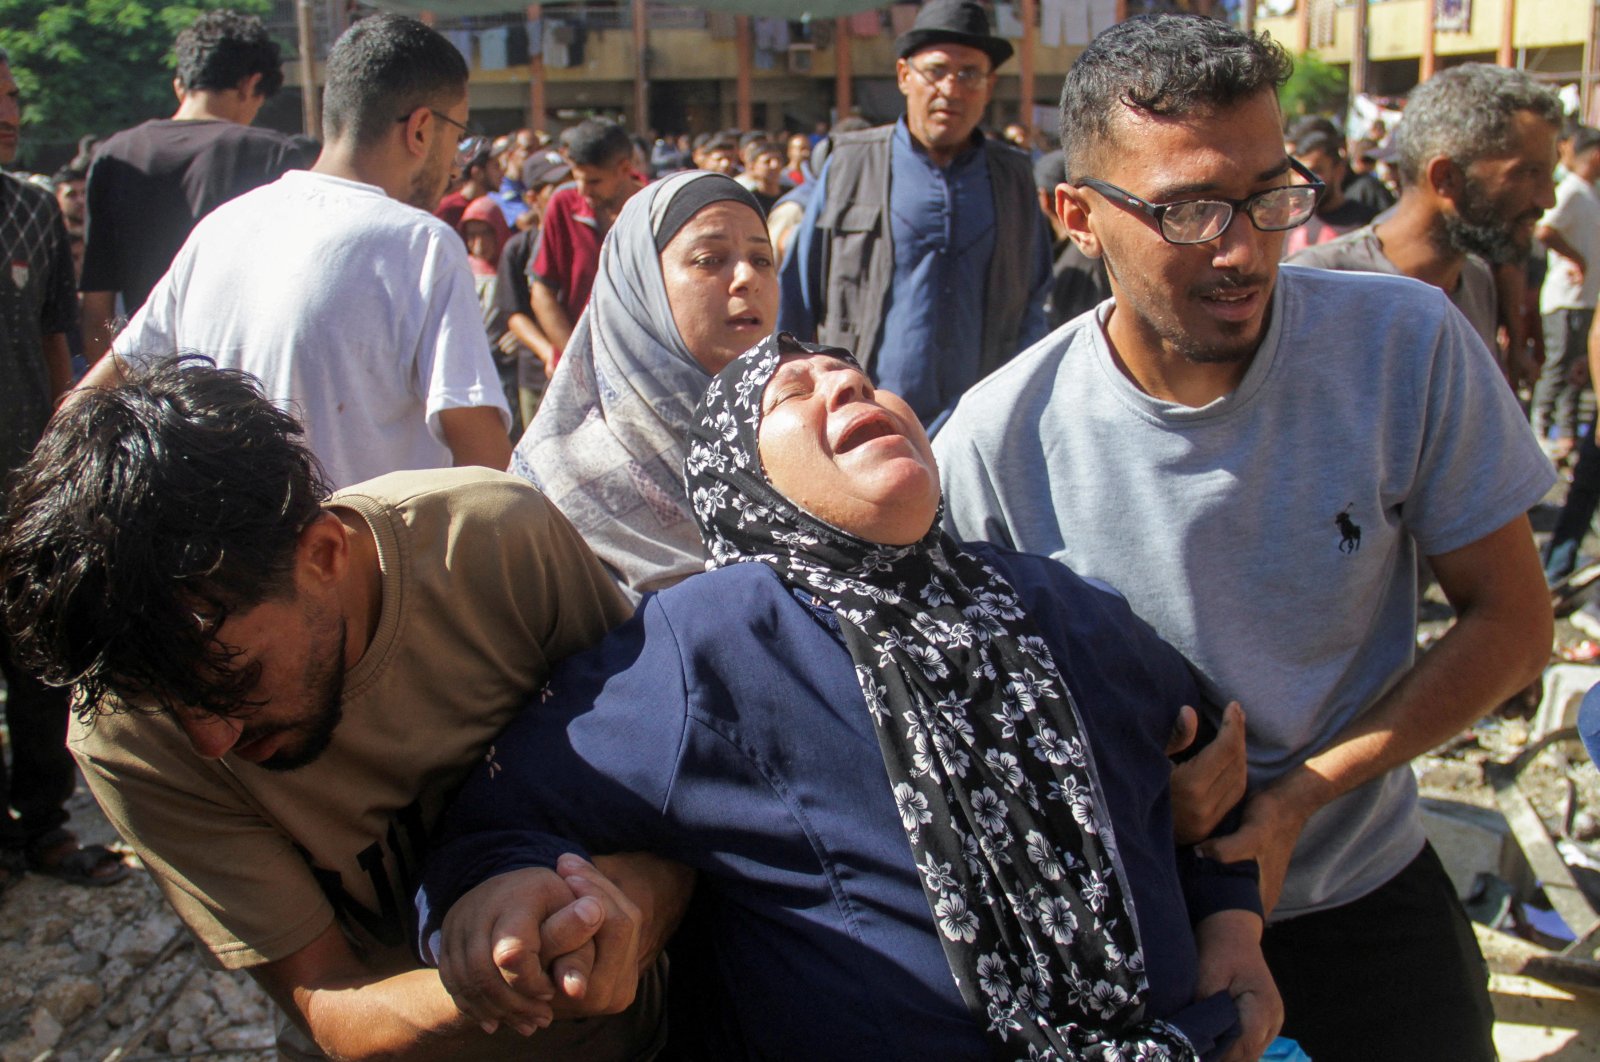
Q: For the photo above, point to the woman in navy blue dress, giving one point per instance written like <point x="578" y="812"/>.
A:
<point x="924" y="787"/>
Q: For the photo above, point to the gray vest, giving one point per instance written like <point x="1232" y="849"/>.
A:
<point x="858" y="250"/>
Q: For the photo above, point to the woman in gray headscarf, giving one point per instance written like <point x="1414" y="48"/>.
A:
<point x="687" y="281"/>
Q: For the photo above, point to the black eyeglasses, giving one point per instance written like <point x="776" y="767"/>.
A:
<point x="469" y="147"/>
<point x="1203" y="220"/>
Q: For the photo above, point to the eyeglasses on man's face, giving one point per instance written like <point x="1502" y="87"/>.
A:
<point x="471" y="144"/>
<point x="1203" y="220"/>
<point x="936" y="74"/>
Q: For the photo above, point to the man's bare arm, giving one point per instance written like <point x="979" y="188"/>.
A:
<point x="1511" y="290"/>
<point x="550" y="314"/>
<point x="353" y="1011"/>
<point x="1552" y="238"/>
<point x="476" y="436"/>
<point x="58" y="365"/>
<point x="95" y="314"/>
<point x="109" y="371"/>
<point x="532" y="336"/>
<point x="1499" y="643"/>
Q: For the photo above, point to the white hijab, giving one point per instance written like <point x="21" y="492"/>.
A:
<point x="608" y="443"/>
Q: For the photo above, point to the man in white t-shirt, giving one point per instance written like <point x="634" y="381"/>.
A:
<point x="1571" y="233"/>
<point x="352" y="304"/>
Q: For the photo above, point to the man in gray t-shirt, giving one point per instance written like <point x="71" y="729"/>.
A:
<point x="1470" y="192"/>
<point x="1255" y="456"/>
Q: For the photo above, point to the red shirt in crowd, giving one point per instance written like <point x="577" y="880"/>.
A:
<point x="569" y="250"/>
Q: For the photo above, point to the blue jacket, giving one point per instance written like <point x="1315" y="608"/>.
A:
<point x="723" y="727"/>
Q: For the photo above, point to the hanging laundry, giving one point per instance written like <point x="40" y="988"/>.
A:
<point x="772" y="34"/>
<point x="535" y="28"/>
<point x="1086" y="18"/>
<point x="492" y="48"/>
<point x="580" y="34"/>
<point x="1006" y="22"/>
<point x="1053" y="15"/>
<point x="517" y="50"/>
<point x="558" y="37"/>
<point x="462" y="39"/>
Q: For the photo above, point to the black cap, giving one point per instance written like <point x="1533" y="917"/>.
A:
<point x="544" y="167"/>
<point x="953" y="22"/>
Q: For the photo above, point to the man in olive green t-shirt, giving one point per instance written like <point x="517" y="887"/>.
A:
<point x="311" y="679"/>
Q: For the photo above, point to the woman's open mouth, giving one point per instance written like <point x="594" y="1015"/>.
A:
<point x="864" y="428"/>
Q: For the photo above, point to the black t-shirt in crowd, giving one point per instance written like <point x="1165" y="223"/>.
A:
<point x="511" y="291"/>
<point x="36" y="300"/>
<point x="1366" y="188"/>
<point x="149" y="185"/>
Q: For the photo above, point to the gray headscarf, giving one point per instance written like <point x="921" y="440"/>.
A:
<point x="608" y="443"/>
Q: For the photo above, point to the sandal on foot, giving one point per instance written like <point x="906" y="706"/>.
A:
<point x="93" y="865"/>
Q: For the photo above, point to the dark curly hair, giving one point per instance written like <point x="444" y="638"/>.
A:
<point x="222" y="48"/>
<point x="148" y="513"/>
<point x="1161" y="65"/>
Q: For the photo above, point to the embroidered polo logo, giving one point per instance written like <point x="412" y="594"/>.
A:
<point x="19" y="274"/>
<point x="1349" y="531"/>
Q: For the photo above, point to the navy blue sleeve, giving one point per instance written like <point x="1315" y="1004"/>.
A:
<point x="1208" y="886"/>
<point x="1120" y="670"/>
<point x="586" y="767"/>
<point x="800" y="278"/>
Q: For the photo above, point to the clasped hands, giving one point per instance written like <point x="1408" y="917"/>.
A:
<point x="530" y="946"/>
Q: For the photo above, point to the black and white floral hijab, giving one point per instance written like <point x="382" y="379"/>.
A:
<point x="983" y="745"/>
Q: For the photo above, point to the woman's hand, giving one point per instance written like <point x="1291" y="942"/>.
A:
<point x="491" y="942"/>
<point x="1231" y="961"/>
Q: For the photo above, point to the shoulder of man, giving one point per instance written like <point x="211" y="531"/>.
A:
<point x="844" y="145"/>
<point x="1382" y="323"/>
<point x="474" y="492"/>
<point x="255" y="134"/>
<point x="563" y="200"/>
<point x="1007" y="151"/>
<point x="1336" y="288"/>
<point x="123" y="138"/>
<point x="27" y="194"/>
<point x="502" y="533"/>
<point x="858" y="137"/>
<point x="1351" y="251"/>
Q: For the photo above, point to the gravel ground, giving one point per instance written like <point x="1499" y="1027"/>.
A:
<point x="109" y="974"/>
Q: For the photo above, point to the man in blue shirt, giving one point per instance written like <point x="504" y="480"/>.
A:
<point x="922" y="249"/>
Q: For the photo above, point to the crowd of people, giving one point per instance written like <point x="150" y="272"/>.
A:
<point x="885" y="591"/>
